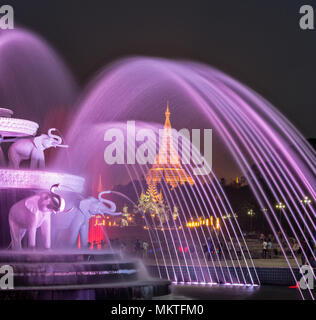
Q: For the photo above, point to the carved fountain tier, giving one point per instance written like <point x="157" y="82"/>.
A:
<point x="17" y="183"/>
<point x="58" y="273"/>
<point x="39" y="180"/>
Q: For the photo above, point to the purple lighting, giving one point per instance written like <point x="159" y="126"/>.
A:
<point x="245" y="126"/>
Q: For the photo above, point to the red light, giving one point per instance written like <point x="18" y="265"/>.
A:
<point x="294" y="287"/>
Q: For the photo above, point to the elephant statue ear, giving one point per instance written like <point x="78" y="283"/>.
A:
<point x="38" y="142"/>
<point x="31" y="205"/>
<point x="84" y="205"/>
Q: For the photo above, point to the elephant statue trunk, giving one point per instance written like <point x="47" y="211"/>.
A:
<point x="111" y="206"/>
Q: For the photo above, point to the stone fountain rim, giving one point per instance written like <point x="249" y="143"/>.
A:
<point x="40" y="179"/>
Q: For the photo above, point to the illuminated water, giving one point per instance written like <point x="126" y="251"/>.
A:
<point x="248" y="133"/>
<point x="245" y="126"/>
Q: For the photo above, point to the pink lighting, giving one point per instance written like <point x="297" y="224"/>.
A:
<point x="190" y="283"/>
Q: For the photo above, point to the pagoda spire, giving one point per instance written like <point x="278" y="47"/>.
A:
<point x="167" y="162"/>
<point x="167" y="113"/>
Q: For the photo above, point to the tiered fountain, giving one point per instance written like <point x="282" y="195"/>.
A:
<point x="34" y="198"/>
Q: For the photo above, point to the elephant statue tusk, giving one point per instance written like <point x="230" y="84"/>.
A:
<point x="61" y="200"/>
<point x="62" y="145"/>
<point x="62" y="205"/>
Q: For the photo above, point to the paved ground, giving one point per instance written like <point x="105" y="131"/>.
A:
<point x="272" y="263"/>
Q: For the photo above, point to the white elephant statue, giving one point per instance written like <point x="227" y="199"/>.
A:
<point x="33" y="149"/>
<point x="34" y="212"/>
<point x="67" y="226"/>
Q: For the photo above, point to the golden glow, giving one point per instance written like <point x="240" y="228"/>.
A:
<point x="217" y="224"/>
<point x="151" y="194"/>
<point x="99" y="220"/>
<point x="203" y="222"/>
<point x="167" y="163"/>
<point x="280" y="206"/>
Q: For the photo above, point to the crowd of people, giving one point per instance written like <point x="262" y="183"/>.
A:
<point x="266" y="248"/>
<point x="212" y="247"/>
<point x="303" y="249"/>
<point x="114" y="244"/>
<point x="270" y="248"/>
<point x="141" y="248"/>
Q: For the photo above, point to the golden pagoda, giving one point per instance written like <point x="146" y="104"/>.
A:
<point x="152" y="202"/>
<point x="167" y="162"/>
<point x="166" y="166"/>
<point x="152" y="194"/>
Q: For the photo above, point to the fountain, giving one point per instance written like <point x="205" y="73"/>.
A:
<point x="277" y="162"/>
<point x="35" y="197"/>
<point x="63" y="273"/>
<point x="249" y="136"/>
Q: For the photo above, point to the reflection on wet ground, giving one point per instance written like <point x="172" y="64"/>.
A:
<point x="222" y="292"/>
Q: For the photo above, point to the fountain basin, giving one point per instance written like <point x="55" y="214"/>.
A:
<point x="86" y="275"/>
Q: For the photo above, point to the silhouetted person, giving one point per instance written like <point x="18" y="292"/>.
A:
<point x="122" y="247"/>
<point x="95" y="245"/>
<point x="205" y="250"/>
<point x="229" y="246"/>
<point x="264" y="249"/>
<point x="103" y="244"/>
<point x="308" y="250"/>
<point x="210" y="247"/>
<point x="311" y="251"/>
<point x="219" y="251"/>
<point x="137" y="247"/>
<point x="117" y="244"/>
<point x="269" y="248"/>
<point x="302" y="250"/>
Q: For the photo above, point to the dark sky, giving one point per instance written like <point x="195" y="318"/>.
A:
<point x="257" y="41"/>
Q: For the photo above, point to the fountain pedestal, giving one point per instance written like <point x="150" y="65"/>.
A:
<point x="84" y="275"/>
<point x="54" y="275"/>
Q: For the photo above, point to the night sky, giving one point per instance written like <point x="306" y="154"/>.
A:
<point x="259" y="42"/>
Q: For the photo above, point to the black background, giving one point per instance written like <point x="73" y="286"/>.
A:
<point x="257" y="41"/>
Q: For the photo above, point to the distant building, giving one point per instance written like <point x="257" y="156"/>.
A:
<point x="171" y="171"/>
